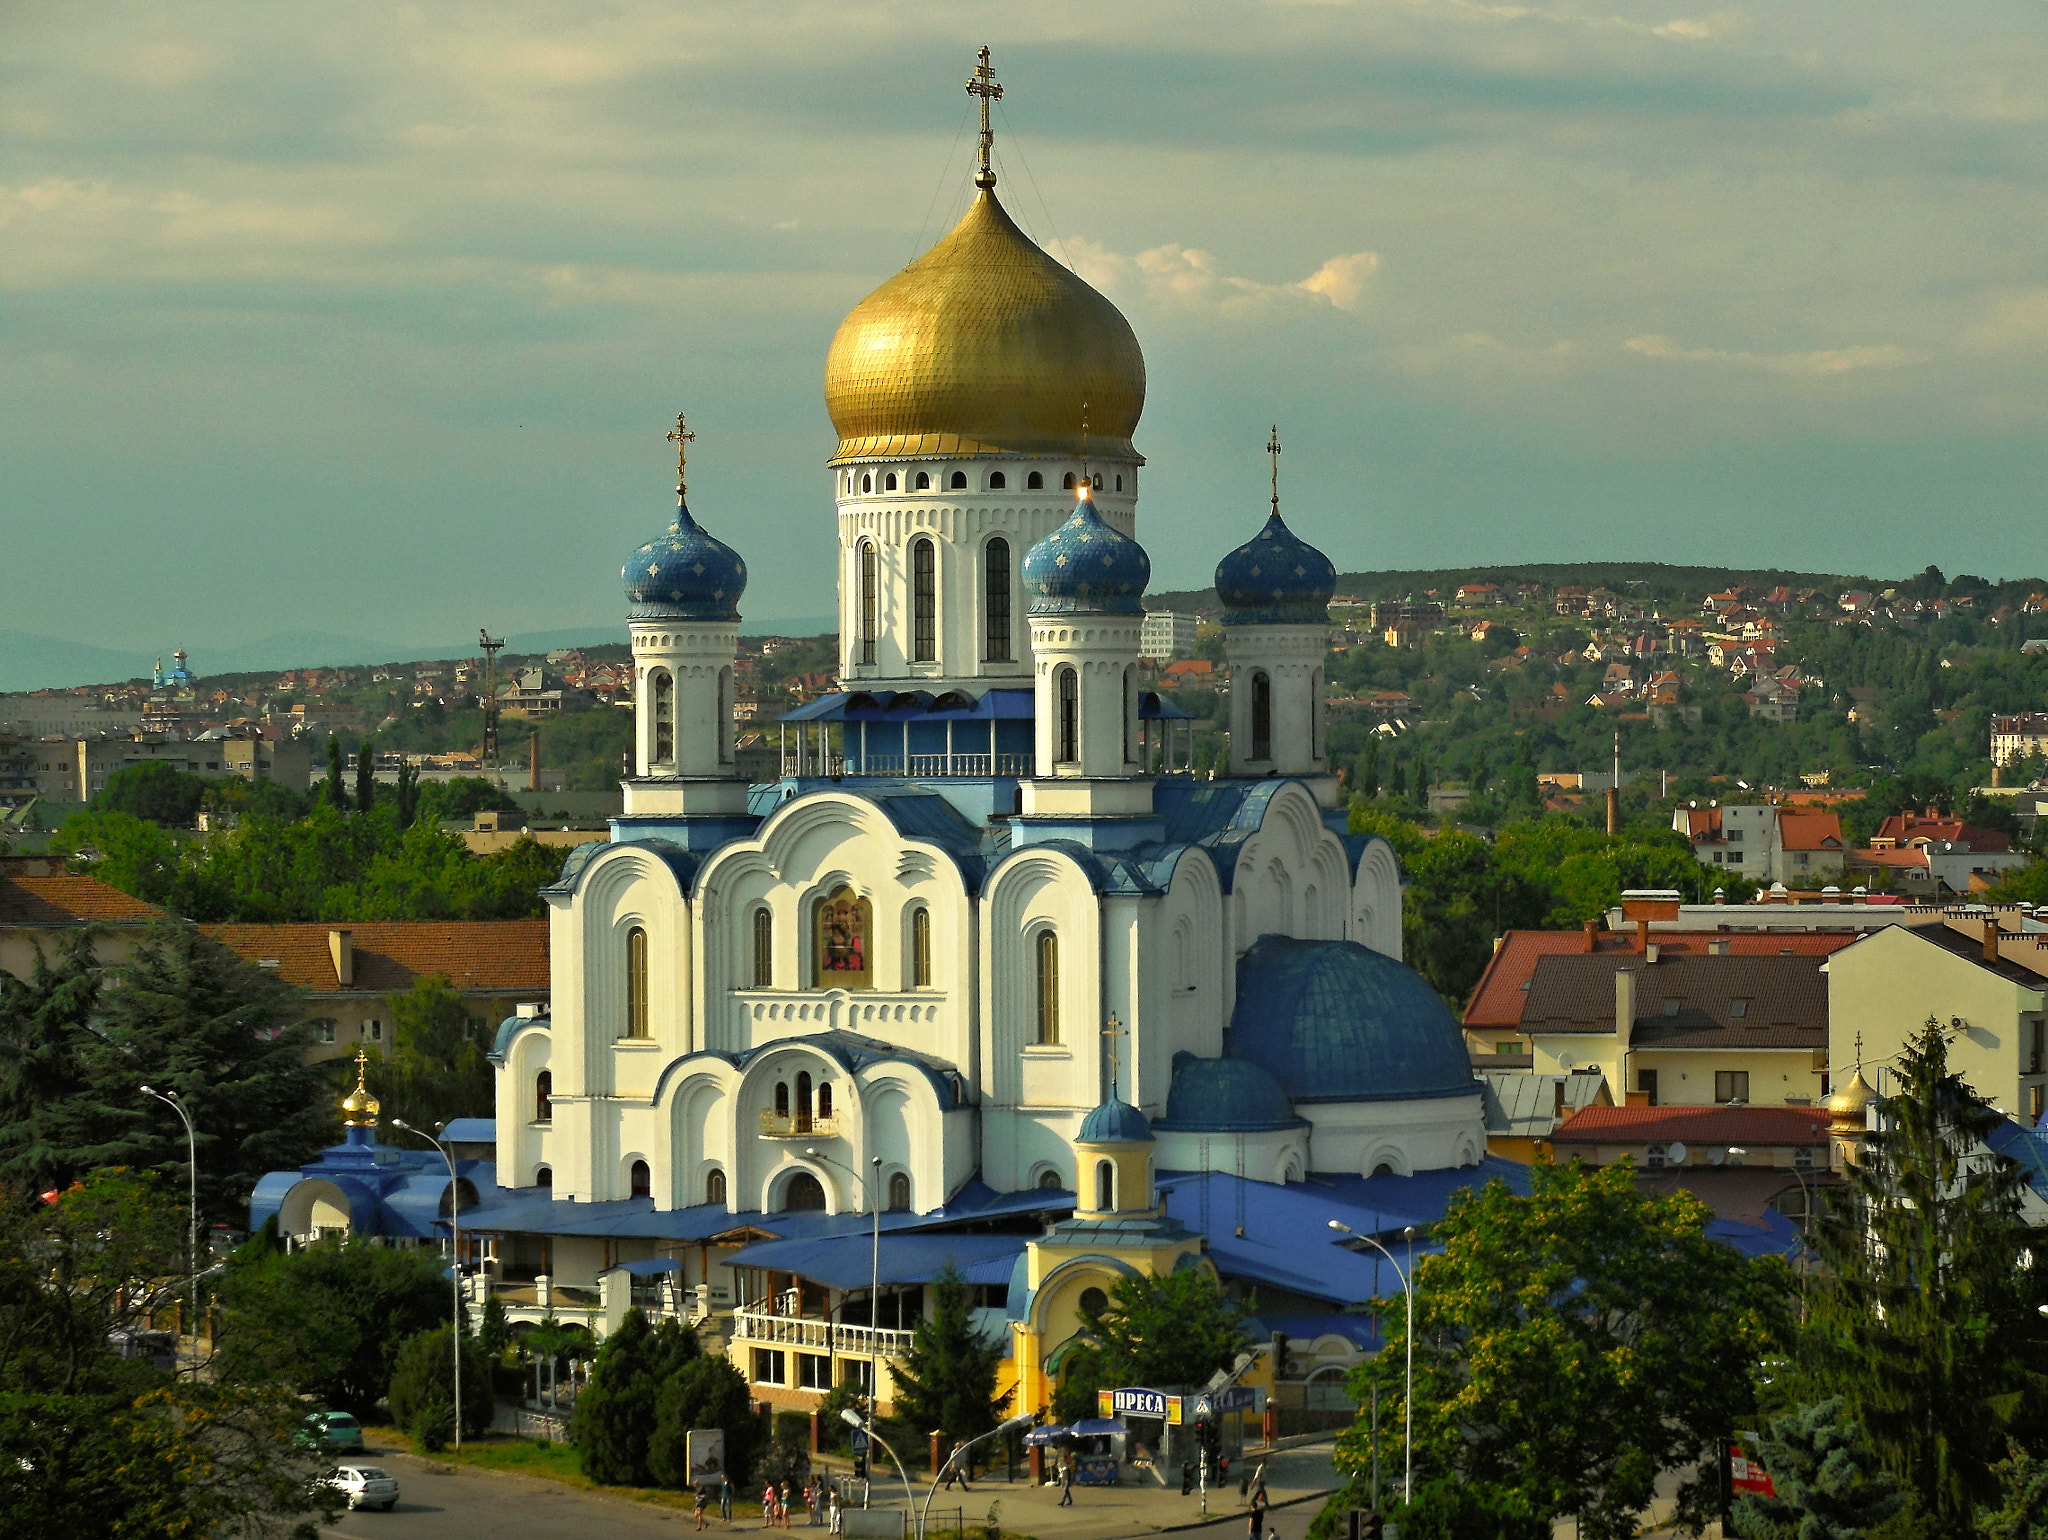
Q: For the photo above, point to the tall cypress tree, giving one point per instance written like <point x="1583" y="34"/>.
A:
<point x="615" y="1414"/>
<point x="366" y="776"/>
<point x="336" y="797"/>
<point x="1924" y="1314"/>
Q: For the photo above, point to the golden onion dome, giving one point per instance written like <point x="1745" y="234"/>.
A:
<point x="985" y="345"/>
<point x="359" y="1108"/>
<point x="1847" y="1105"/>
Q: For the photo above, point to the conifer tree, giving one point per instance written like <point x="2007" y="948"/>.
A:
<point x="366" y="776"/>
<point x="706" y="1392"/>
<point x="616" y="1413"/>
<point x="336" y="797"/>
<point x="1829" y="1484"/>
<point x="947" y="1379"/>
<point x="46" y="1131"/>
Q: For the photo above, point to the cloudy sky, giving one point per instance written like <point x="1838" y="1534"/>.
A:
<point x="370" y="318"/>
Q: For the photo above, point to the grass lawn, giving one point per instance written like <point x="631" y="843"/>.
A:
<point x="526" y="1457"/>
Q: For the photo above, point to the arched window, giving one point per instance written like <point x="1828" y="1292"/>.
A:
<point x="1048" y="957"/>
<point x="867" y="482"/>
<point x="1119" y="483"/>
<point x="1035" y="481"/>
<point x="1105" y="1186"/>
<point x="920" y="948"/>
<point x="714" y="1188"/>
<point x="899" y="1191"/>
<point x="544" y="1177"/>
<point x="1098" y="481"/>
<point x="803" y="1101"/>
<point x="842" y="942"/>
<point x="782" y="1098"/>
<point x="641" y="1179"/>
<point x="664" y="717"/>
<point x="997" y="481"/>
<point x="924" y="482"/>
<point x="1067" y="481"/>
<point x="1127" y="716"/>
<point x="1049" y="1181"/>
<point x="867" y="601"/>
<point x="1262" y="717"/>
<point x="824" y="1098"/>
<point x="725" y="716"/>
<point x="889" y="482"/>
<point x="995" y="579"/>
<point x="636" y="982"/>
<point x="1067" y="724"/>
<point x="764" y="949"/>
<point x="957" y="481"/>
<point x="803" y="1195"/>
<point x="924" y="601"/>
<point x="543" y="1097"/>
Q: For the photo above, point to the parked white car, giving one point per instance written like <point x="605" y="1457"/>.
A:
<point x="365" y="1486"/>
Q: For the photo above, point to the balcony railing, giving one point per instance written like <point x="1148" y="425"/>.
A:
<point x="915" y="765"/>
<point x="797" y="1125"/>
<point x="821" y="1336"/>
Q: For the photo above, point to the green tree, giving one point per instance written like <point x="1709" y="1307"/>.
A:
<point x="406" y="799"/>
<point x="1923" y="1311"/>
<point x="123" y="851"/>
<point x="947" y="1378"/>
<point x="366" y="776"/>
<point x="1177" y="1329"/>
<point x="337" y="798"/>
<point x="1460" y="896"/>
<point x="1369" y="770"/>
<point x="422" y="1394"/>
<point x="616" y="1412"/>
<point x="1452" y="1508"/>
<point x="46" y="1131"/>
<point x="2022" y="1513"/>
<point x="327" y="1320"/>
<point x="153" y="790"/>
<point x="704" y="1392"/>
<point x="1571" y="1345"/>
<point x="437" y="1070"/>
<point x="1829" y="1484"/>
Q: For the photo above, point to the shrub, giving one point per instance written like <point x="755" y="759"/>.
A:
<point x="704" y="1393"/>
<point x="423" y="1385"/>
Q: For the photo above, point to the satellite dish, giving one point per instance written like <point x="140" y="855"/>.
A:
<point x="1675" y="1154"/>
<point x="1565" y="1061"/>
<point x="1716" y="1156"/>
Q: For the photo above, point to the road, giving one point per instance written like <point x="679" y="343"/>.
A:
<point x="436" y="1503"/>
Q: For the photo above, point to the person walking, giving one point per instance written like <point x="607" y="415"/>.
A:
<point x="1255" y="1522"/>
<point x="703" y="1504"/>
<point x="725" y="1499"/>
<point x="832" y="1524"/>
<point x="956" y="1468"/>
<point x="1066" y="1478"/>
<point x="814" y="1499"/>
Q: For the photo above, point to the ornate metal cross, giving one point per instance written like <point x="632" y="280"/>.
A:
<point x="1273" y="449"/>
<point x="982" y="83"/>
<point x="682" y="438"/>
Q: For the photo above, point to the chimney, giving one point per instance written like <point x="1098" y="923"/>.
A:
<point x="1592" y="935"/>
<point x="1642" y="935"/>
<point x="341" y="946"/>
<point x="1624" y="1006"/>
<point x="1614" y="810"/>
<point x="1991" y="938"/>
<point x="533" y="763"/>
<point x="1718" y="947"/>
<point x="1650" y="949"/>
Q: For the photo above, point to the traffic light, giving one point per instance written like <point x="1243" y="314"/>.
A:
<point x="860" y="1467"/>
<point x="1187" y="1477"/>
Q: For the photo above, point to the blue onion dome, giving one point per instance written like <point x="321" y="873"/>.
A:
<point x="684" y="574"/>
<point x="1275" y="578"/>
<point x="1224" y="1096"/>
<point x="1086" y="568"/>
<point x="1115" y="1122"/>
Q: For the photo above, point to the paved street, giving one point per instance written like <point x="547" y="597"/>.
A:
<point x="438" y="1502"/>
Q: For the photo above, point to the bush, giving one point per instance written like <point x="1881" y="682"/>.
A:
<point x="423" y="1387"/>
<point x="1454" y="1508"/>
<point x="618" y="1410"/>
<point x="704" y="1393"/>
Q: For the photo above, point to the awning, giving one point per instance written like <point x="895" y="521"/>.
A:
<point x="915" y="706"/>
<point x="1092" y="1425"/>
<point x="648" y="1267"/>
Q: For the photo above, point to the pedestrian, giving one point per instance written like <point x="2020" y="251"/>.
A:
<point x="814" y="1496"/>
<point x="703" y="1497"/>
<point x="782" y="1505"/>
<point x="725" y="1499"/>
<point x="1066" y="1478"/>
<point x="768" y="1506"/>
<point x="1256" y="1523"/>
<point x="956" y="1468"/>
<point x="832" y="1514"/>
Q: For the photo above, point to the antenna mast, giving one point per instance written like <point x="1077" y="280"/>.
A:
<point x="490" y="645"/>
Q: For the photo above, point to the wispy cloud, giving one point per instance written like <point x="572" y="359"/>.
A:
<point x="1190" y="279"/>
<point x="1817" y="363"/>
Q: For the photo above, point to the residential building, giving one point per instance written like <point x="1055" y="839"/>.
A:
<point x="1523" y="1110"/>
<point x="531" y="695"/>
<point x="1168" y="635"/>
<point x="1934" y="855"/>
<point x="1765" y="842"/>
<point x="42" y="907"/>
<point x="64" y="714"/>
<point x="2019" y="737"/>
<point x="1754" y="1166"/>
<point x="76" y="769"/>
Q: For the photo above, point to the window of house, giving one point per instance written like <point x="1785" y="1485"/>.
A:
<point x="1802" y="1158"/>
<point x="2034" y="1102"/>
<point x="2040" y="1051"/>
<point x="771" y="1365"/>
<point x="1655" y="1156"/>
<point x="1731" y="1085"/>
<point x="327" y="1036"/>
<point x="1646" y="1082"/>
<point x="889" y="482"/>
<point x="1507" y="1045"/>
<point x="857" y="1372"/>
<point x="997" y="481"/>
<point x="921" y="948"/>
<point x="1048" y="987"/>
<point x="1035" y="481"/>
<point x="1093" y="1301"/>
<point x="1105" y="1186"/>
<point x="543" y="1177"/>
<point x="1671" y="1007"/>
<point x="714" y="1192"/>
<point x="1738" y="1009"/>
<point x="723" y="720"/>
<point x="763" y="959"/>
<point x="1048" y="1181"/>
<point x="824" y="1098"/>
<point x="924" y="481"/>
<point x="1262" y="717"/>
<point x="1734" y="836"/>
<point x="957" y="481"/>
<point x="636" y="982"/>
<point x="899" y="1191"/>
<point x="813" y="1371"/>
<point x="543" y="1097"/>
<point x="1067" y="728"/>
<point x="996" y="601"/>
<point x="868" y="628"/>
<point x="803" y="1195"/>
<point x="376" y="1030"/>
<point x="924" y="601"/>
<point x="640" y="1180"/>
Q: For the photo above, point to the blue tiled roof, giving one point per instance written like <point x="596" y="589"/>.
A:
<point x="1334" y="1021"/>
<point x="683" y="862"/>
<point x="1224" y="1096"/>
<point x="1275" y="578"/>
<point x="1086" y="567"/>
<point x="684" y="574"/>
<point x="1115" y="1122"/>
<point x="471" y="1130"/>
<point x="905" y="1258"/>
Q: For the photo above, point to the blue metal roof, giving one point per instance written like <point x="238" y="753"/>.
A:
<point x="843" y="1263"/>
<point x="1086" y="567"/>
<point x="471" y="1131"/>
<point x="997" y="705"/>
<point x="1225" y="1096"/>
<point x="683" y="862"/>
<point x="1115" y="1122"/>
<point x="1360" y="1330"/>
<point x="684" y="574"/>
<point x="1333" y="1021"/>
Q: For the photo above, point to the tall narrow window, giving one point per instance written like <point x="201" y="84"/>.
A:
<point x="803" y="1101"/>
<point x="899" y="1191"/>
<point x="924" y="601"/>
<point x="957" y="481"/>
<point x="714" y="1188"/>
<point x="840" y="941"/>
<point x="1048" y="987"/>
<point x="664" y="717"/>
<point x="543" y="1097"/>
<point x="867" y="601"/>
<point x="640" y="1179"/>
<point x="764" y="949"/>
<point x="996" y="599"/>
<point x="1127" y="716"/>
<point x="1262" y="717"/>
<point x="636" y="982"/>
<point x="1315" y="715"/>
<point x="782" y="1098"/>
<point x="920" y="948"/>
<point x="725" y="716"/>
<point x="889" y="482"/>
<point x="1067" y="724"/>
<point x="824" y="1098"/>
<point x="1105" y="1186"/>
<point x="924" y="482"/>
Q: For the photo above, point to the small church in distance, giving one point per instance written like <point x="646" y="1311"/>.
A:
<point x="987" y="969"/>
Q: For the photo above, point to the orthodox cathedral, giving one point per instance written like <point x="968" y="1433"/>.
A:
<point x="988" y="961"/>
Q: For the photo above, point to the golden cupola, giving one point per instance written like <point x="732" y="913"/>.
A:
<point x="359" y="1108"/>
<point x="985" y="345"/>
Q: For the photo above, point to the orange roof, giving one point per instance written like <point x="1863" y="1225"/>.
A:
<point x="1503" y="989"/>
<point x="1701" y="1125"/>
<point x="1809" y="831"/>
<point x="68" y="901"/>
<point x="476" y="955"/>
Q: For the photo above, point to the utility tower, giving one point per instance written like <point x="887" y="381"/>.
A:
<point x="490" y="646"/>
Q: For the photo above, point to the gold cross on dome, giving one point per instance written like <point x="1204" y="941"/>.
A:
<point x="982" y="83"/>
<point x="1113" y="1030"/>
<point x="682" y="438"/>
<point x="1273" y="449"/>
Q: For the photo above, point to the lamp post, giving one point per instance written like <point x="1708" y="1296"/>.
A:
<point x="1808" y="1197"/>
<point x="1408" y="1399"/>
<point x="171" y="1100"/>
<point x="853" y="1420"/>
<point x="455" y="1244"/>
<point x="874" y="1294"/>
<point x="1012" y="1425"/>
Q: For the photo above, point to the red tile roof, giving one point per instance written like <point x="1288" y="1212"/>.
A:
<point x="1702" y="1125"/>
<point x="1809" y="831"/>
<point x="68" y="901"/>
<point x="477" y="955"/>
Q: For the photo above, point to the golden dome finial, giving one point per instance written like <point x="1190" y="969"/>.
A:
<point x="682" y="438"/>
<point x="1273" y="449"/>
<point x="359" y="1108"/>
<point x="982" y="83"/>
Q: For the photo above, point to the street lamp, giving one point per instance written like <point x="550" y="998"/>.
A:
<point x="1015" y="1424"/>
<point x="874" y="1277"/>
<point x="171" y="1100"/>
<point x="1408" y="1400"/>
<point x="455" y="1245"/>
<point x="852" y="1419"/>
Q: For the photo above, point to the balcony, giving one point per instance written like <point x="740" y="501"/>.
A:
<point x="797" y="1125"/>
<point x="796" y="762"/>
<point x="819" y="1336"/>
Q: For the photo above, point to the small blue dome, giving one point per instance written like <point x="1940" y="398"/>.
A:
<point x="1115" y="1122"/>
<point x="1224" y="1096"/>
<point x="1333" y="1021"/>
<point x="1275" y="578"/>
<point x="1086" y="568"/>
<point x="684" y="574"/>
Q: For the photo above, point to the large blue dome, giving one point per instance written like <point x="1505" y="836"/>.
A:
<point x="1333" y="1021"/>
<point x="684" y="574"/>
<point x="1275" y="578"/>
<point x="1086" y="568"/>
<point x="1224" y="1096"/>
